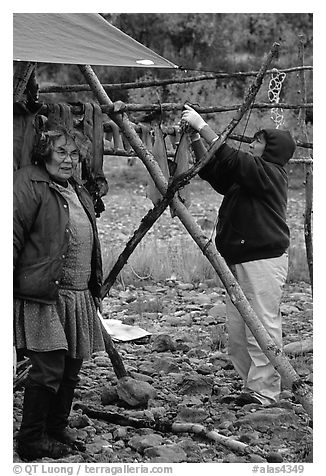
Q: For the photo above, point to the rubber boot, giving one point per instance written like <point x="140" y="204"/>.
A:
<point x="33" y="441"/>
<point x="57" y="422"/>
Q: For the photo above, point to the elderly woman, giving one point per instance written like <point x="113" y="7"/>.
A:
<point x="57" y="282"/>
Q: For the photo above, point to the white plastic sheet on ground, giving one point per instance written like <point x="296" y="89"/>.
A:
<point x="122" y="332"/>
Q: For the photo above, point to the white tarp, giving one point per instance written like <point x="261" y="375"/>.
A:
<point x="78" y="38"/>
<point x="122" y="332"/>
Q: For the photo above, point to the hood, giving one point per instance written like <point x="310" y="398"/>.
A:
<point x="280" y="146"/>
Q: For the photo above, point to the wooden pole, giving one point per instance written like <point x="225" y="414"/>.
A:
<point x="166" y="426"/>
<point x="162" y="82"/>
<point x="174" y="129"/>
<point x="175" y="107"/>
<point x="21" y="77"/>
<point x="110" y="151"/>
<point x="308" y="169"/>
<point x="116" y="360"/>
<point x="268" y="346"/>
<point x="145" y="225"/>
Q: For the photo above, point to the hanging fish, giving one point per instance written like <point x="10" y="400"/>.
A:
<point x="175" y="138"/>
<point x="146" y="136"/>
<point x="161" y="156"/>
<point x="92" y="163"/>
<point x="182" y="160"/>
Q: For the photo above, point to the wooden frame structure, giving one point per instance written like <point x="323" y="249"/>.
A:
<point x="117" y="113"/>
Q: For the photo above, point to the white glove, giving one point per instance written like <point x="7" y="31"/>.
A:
<point x="193" y="118"/>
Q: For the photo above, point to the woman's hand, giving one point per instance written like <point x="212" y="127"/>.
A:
<point x="192" y="118"/>
<point x="98" y="304"/>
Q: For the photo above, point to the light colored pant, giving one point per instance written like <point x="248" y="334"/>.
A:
<point x="262" y="282"/>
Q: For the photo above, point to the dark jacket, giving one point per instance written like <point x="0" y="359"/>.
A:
<point x="41" y="235"/>
<point x="252" y="217"/>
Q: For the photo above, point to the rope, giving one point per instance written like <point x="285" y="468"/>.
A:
<point x="142" y="278"/>
<point x="274" y="91"/>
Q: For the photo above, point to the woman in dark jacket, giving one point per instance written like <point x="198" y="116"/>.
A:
<point x="253" y="237"/>
<point x="57" y="282"/>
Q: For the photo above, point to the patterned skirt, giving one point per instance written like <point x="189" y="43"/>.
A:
<point x="71" y="323"/>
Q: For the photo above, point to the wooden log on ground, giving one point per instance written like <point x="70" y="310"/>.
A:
<point x="299" y="347"/>
<point x="213" y="435"/>
<point x="165" y="426"/>
<point x="268" y="346"/>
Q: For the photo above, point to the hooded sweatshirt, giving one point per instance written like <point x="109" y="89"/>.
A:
<point x="252" y="217"/>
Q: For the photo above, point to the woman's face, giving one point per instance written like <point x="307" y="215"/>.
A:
<point x="63" y="160"/>
<point x="258" y="145"/>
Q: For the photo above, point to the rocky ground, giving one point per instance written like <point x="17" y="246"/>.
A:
<point x="183" y="367"/>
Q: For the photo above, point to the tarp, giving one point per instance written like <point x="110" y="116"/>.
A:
<point x="78" y="38"/>
<point x="122" y="332"/>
